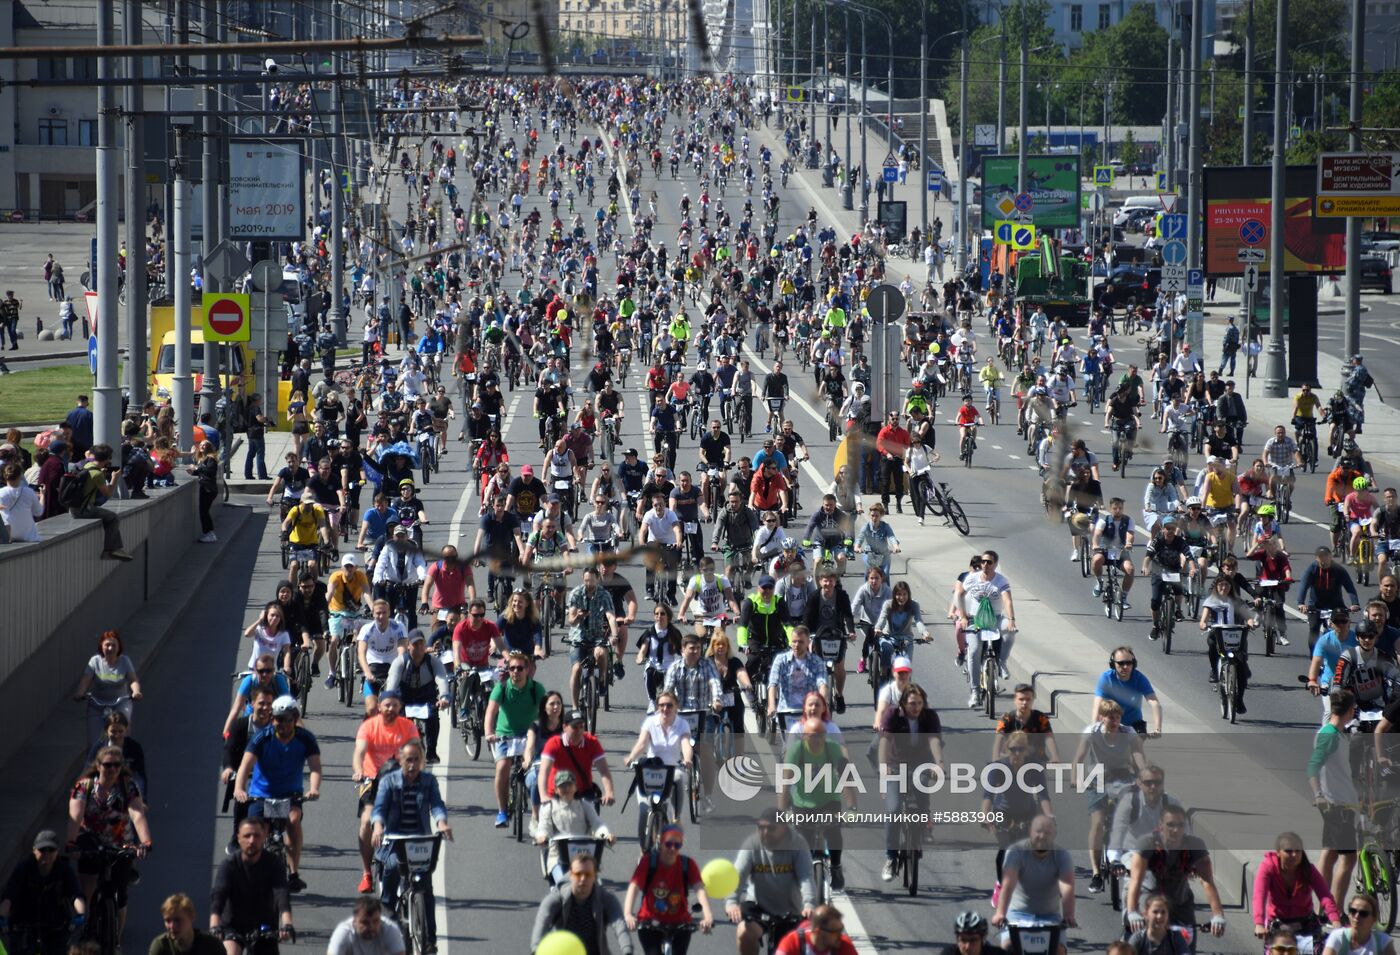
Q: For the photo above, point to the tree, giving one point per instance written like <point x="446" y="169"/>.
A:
<point x="1128" y="150"/>
<point x="986" y="56"/>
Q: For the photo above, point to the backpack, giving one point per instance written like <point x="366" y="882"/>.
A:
<point x="72" y="489"/>
<point x="653" y="857"/>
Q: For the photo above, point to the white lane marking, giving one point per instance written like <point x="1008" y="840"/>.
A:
<point x="802" y="403"/>
<point x="444" y="767"/>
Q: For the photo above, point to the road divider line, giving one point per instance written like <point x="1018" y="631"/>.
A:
<point x="802" y="403"/>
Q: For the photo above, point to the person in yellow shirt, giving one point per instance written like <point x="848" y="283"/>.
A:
<point x="680" y="330"/>
<point x="1220" y="491"/>
<point x="348" y="600"/>
<point x="306" y="528"/>
<point x="1305" y="407"/>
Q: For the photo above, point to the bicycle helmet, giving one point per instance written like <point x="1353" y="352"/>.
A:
<point x="1193" y="501"/>
<point x="970" y="921"/>
<point x="1360" y="484"/>
<point x="285" y="706"/>
<point x="1267" y="510"/>
<point x="406" y="482"/>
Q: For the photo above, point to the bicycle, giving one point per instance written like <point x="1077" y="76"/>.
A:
<point x="1232" y="647"/>
<point x="1176" y="447"/>
<point x="968" y="446"/>
<point x="1365" y="553"/>
<point x="103" y="926"/>
<point x="1271" y="613"/>
<point x="1123" y="440"/>
<point x="301" y="674"/>
<point x="346" y="666"/>
<point x="1375" y="868"/>
<point x="668" y="931"/>
<point x="1305" y="434"/>
<point x="1111" y="590"/>
<point x="548" y="599"/>
<point x="417" y="856"/>
<point x="989" y="668"/>
<point x="912" y="832"/>
<point x="591" y="686"/>
<point x="262" y="941"/>
<point x="993" y="407"/>
<point x="655" y="785"/>
<point x="473" y="691"/>
<point x="1166" y="610"/>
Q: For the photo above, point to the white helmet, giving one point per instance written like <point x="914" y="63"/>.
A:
<point x="285" y="705"/>
<point x="1193" y="501"/>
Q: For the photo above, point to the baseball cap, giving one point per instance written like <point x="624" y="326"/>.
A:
<point x="1168" y="520"/>
<point x="576" y="716"/>
<point x="902" y="665"/>
<point x="527" y="471"/>
<point x="46" y="839"/>
<point x="417" y="636"/>
<point x="766" y="581"/>
<point x="563" y="777"/>
<point x="630" y="453"/>
<point x="1212" y="459"/>
<point x="349" y="560"/>
<point x="391" y="695"/>
<point x="400" y="531"/>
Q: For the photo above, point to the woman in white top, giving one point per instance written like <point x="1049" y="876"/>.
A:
<point x="814" y="705"/>
<point x="1363" y="938"/>
<point x="269" y="635"/>
<point x="665" y="740"/>
<point x="918" y="459"/>
<point x="19" y="506"/>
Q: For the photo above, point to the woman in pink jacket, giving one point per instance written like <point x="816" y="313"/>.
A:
<point x="1284" y="888"/>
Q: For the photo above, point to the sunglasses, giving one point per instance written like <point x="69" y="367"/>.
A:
<point x="1356" y="913"/>
<point x="1018" y="749"/>
<point x="119" y="766"/>
<point x="672" y="845"/>
<point x="1125" y="663"/>
<point x="1149" y="782"/>
<point x="1283" y="949"/>
<point x="478" y="613"/>
<point x="262" y="671"/>
<point x="665" y="706"/>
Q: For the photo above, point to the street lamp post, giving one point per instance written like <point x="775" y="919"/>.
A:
<point x="1024" y="97"/>
<point x="1276" y="371"/>
<point x="847" y="188"/>
<point x="862" y="12"/>
<point x="924" y="162"/>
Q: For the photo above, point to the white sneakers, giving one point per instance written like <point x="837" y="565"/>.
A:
<point x="209" y="538"/>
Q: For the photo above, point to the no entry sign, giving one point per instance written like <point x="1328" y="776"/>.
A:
<point x="226" y="317"/>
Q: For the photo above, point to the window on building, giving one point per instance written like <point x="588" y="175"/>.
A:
<point x="1076" y="18"/>
<point x="1105" y="16"/>
<point x="85" y="68"/>
<point x="87" y="132"/>
<point x="53" y="69"/>
<point x="53" y="132"/>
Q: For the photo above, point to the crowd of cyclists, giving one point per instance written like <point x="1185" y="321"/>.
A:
<point x="532" y="273"/>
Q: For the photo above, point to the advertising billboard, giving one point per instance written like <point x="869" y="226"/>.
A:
<point x="1237" y="202"/>
<point x="266" y="196"/>
<point x="1053" y="184"/>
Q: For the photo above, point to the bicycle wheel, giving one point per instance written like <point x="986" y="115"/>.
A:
<point x="959" y="519"/>
<point x="427" y="468"/>
<point x="476" y="727"/>
<point x="1382" y="876"/>
<point x="819" y="879"/>
<point x="1227" y="691"/>
<point x="105" y="928"/>
<point x="588" y="700"/>
<point x="692" y="791"/>
<point x="872" y="670"/>
<point x="347" y="674"/>
<point x="547" y="617"/>
<point x="302" y="675"/>
<point x="724" y="742"/>
<point x="418" y="923"/>
<point x="989" y="687"/>
<point x="1084" y="558"/>
<point x="1166" y="617"/>
<point x="934" y="500"/>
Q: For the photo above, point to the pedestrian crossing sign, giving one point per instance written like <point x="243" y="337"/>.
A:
<point x="1161" y="182"/>
<point x="1103" y="175"/>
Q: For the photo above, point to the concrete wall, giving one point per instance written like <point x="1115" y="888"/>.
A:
<point x="59" y="595"/>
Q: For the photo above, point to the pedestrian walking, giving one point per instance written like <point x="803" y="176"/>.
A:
<point x="9" y="319"/>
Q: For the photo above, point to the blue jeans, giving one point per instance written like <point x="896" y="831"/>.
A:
<point x="889" y="646"/>
<point x="257" y="451"/>
<point x="532" y="780"/>
<point x="389" y="888"/>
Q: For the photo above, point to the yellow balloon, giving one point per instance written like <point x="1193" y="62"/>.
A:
<point x="560" y="942"/>
<point x="562" y="314"/>
<point x="720" y="878"/>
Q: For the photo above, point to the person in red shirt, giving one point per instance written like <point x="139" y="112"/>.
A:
<point x="449" y="582"/>
<point x="663" y="880"/>
<point x="768" y="489"/>
<point x="891" y="443"/>
<point x="656" y="383"/>
<point x="823" y="934"/>
<point x="578" y="751"/>
<point x="968" y="415"/>
<point x="475" y="638"/>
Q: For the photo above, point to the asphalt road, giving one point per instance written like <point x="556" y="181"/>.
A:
<point x="490" y="886"/>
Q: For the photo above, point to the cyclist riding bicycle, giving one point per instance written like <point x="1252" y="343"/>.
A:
<point x="409" y="803"/>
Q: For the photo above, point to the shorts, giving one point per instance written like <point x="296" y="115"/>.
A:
<point x="301" y="427"/>
<point x="577" y="652"/>
<point x="782" y="924"/>
<point x="508" y="748"/>
<point x="339" y="620"/>
<point x="380" y="672"/>
<point x="302" y="554"/>
<point x="1339" y="829"/>
<point x="369" y="788"/>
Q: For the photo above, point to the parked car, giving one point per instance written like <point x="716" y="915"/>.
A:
<point x="1375" y="273"/>
<point x="1132" y="219"/>
<point x="1382" y="241"/>
<point x="1129" y="285"/>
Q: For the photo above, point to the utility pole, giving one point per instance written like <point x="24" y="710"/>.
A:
<point x="1169" y="122"/>
<point x="812" y="72"/>
<point x="962" y="146"/>
<point x="1351" y="339"/>
<point x="1195" y="319"/>
<point x="107" y="406"/>
<point x="1023" y="104"/>
<point x="339" y="320"/>
<point x="182" y="384"/>
<point x="1276" y="369"/>
<point x="864" y="192"/>
<point x="1001" y="86"/>
<point x="1247" y="137"/>
<point x="209" y="195"/>
<point x="923" y="115"/>
<point x="134" y="96"/>
<point x="848" y="188"/>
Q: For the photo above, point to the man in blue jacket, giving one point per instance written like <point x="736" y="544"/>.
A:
<point x="409" y="803"/>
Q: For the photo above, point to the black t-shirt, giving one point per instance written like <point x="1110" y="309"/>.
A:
<point x="498" y="534"/>
<point x="618" y="588"/>
<point x="633" y="475"/>
<point x="686" y="504"/>
<point x="326" y="489"/>
<point x="407" y="509"/>
<point x="775" y="385"/>
<point x="293" y="482"/>
<point x="713" y="446"/>
<point x="529" y="495"/>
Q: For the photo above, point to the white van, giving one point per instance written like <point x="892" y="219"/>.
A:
<point x="1153" y="204"/>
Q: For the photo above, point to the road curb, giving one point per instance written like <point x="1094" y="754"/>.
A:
<point x="60" y="752"/>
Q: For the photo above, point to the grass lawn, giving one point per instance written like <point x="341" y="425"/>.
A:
<point x="43" y="395"/>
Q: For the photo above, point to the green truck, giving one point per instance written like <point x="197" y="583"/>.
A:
<point x="1057" y="282"/>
